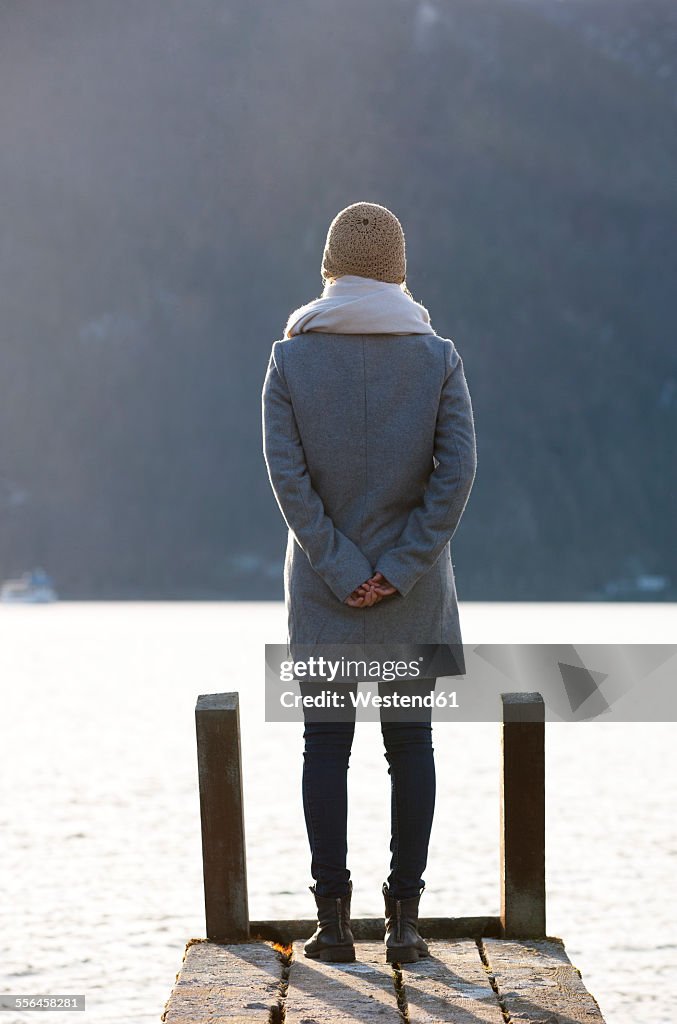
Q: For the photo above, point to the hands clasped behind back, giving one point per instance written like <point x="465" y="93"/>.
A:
<point x="371" y="592"/>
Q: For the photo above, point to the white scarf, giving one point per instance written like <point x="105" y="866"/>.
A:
<point x="360" y="305"/>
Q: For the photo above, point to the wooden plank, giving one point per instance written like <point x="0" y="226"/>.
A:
<point x="371" y="928"/>
<point x="450" y="985"/>
<point x="217" y="724"/>
<point x="537" y="982"/>
<point x="230" y="983"/>
<point x="528" y="980"/>
<point x="322" y="993"/>
<point x="522" y="816"/>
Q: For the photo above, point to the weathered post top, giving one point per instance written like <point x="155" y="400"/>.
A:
<point x="523" y="707"/>
<point x="218" y="702"/>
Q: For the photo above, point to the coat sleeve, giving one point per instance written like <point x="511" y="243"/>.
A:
<point x="432" y="524"/>
<point x="334" y="556"/>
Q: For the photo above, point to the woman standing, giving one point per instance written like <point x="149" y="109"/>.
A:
<point x="369" y="442"/>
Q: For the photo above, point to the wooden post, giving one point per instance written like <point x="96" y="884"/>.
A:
<point x="523" y="816"/>
<point x="217" y="722"/>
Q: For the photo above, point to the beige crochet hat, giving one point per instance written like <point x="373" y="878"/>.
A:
<point x="367" y="240"/>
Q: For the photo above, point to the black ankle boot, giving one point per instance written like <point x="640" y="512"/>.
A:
<point x="403" y="942"/>
<point x="332" y="940"/>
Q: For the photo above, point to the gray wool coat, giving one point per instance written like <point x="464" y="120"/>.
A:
<point x="369" y="444"/>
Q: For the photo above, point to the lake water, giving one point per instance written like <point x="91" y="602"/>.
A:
<point x="101" y="857"/>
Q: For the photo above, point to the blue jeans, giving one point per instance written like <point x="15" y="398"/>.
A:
<point x="411" y="766"/>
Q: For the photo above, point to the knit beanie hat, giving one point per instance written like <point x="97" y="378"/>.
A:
<point x="367" y="240"/>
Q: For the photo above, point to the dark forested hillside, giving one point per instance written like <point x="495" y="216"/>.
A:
<point x="168" y="172"/>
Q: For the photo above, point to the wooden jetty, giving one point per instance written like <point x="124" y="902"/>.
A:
<point x="481" y="970"/>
